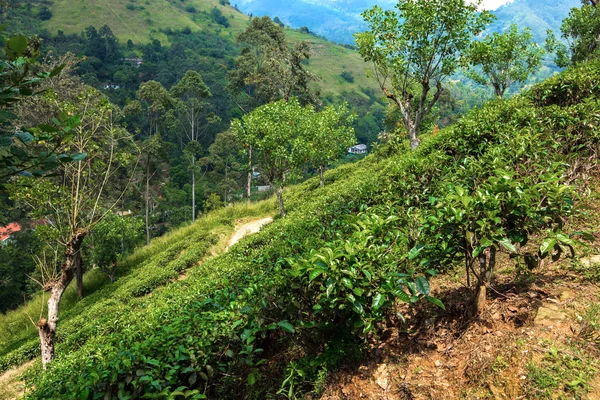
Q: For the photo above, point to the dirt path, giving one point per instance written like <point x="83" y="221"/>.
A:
<point x="11" y="387"/>
<point x="247" y="229"/>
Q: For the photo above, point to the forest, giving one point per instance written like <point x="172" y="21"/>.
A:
<point x="126" y="167"/>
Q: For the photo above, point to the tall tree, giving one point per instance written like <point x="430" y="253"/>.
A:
<point x="503" y="59"/>
<point x="223" y="164"/>
<point x="329" y="135"/>
<point x="416" y="47"/>
<point x="81" y="194"/>
<point x="277" y="134"/>
<point x="155" y="99"/>
<point x="191" y="118"/>
<point x="154" y="157"/>
<point x="266" y="71"/>
<point x="581" y="30"/>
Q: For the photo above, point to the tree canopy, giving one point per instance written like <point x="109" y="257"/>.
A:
<point x="504" y="59"/>
<point x="415" y="47"/>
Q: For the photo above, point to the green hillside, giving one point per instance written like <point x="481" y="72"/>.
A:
<point x="272" y="317"/>
<point x="149" y="19"/>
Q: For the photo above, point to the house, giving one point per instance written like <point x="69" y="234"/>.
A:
<point x="136" y="62"/>
<point x="108" y="85"/>
<point x="7" y="231"/>
<point x="358" y="149"/>
<point x="263" y="188"/>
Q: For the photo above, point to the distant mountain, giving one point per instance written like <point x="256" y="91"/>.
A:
<point x="538" y="15"/>
<point x="338" y="20"/>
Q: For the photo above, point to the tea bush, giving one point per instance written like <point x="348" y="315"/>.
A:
<point x="268" y="316"/>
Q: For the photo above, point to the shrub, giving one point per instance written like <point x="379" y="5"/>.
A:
<point x="347" y="76"/>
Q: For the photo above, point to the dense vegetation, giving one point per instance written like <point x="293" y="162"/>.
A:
<point x="186" y="316"/>
<point x="285" y="288"/>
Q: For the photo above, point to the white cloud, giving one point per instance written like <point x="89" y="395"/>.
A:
<point x="493" y="4"/>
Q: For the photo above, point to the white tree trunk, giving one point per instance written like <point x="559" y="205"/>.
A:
<point x="47" y="327"/>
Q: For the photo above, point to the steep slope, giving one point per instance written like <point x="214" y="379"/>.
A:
<point x="256" y="323"/>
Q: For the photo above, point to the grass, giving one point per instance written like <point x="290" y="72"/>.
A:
<point x="147" y="269"/>
<point x="563" y="373"/>
<point x="327" y="62"/>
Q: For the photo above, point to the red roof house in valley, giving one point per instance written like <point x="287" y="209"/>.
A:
<point x="8" y="230"/>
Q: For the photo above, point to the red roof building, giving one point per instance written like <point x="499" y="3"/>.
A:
<point x="8" y="230"/>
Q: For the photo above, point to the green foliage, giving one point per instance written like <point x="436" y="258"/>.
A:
<point x="113" y="239"/>
<point x="580" y="29"/>
<point x="17" y="84"/>
<point x="350" y="283"/>
<point x="268" y="294"/>
<point x="267" y="69"/>
<point x="347" y="76"/>
<point x="505" y="59"/>
<point x="417" y="47"/>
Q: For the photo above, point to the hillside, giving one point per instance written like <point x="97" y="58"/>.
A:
<point x="143" y="22"/>
<point x="340" y="276"/>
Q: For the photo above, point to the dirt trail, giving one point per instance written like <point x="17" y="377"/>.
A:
<point x="247" y="229"/>
<point x="11" y="387"/>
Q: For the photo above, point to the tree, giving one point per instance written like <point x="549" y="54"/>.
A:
<point x="155" y="100"/>
<point x="505" y="59"/>
<point x="223" y="165"/>
<point x="113" y="239"/>
<point x="81" y="194"/>
<point x="277" y="134"/>
<point x="330" y="135"/>
<point x="190" y="115"/>
<point x="267" y="70"/>
<point x="418" y="45"/>
<point x="154" y="154"/>
<point x="18" y="153"/>
<point x="581" y="29"/>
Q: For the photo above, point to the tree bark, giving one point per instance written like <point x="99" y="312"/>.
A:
<point x="79" y="274"/>
<point x="499" y="91"/>
<point x="193" y="192"/>
<point x="322" y="175"/>
<point x="249" y="184"/>
<point x="47" y="327"/>
<point x="147" y="200"/>
<point x="413" y="137"/>
<point x="279" y="194"/>
<point x="486" y="269"/>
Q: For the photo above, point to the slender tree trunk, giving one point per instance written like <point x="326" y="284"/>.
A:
<point x="47" y="327"/>
<point x="279" y="194"/>
<point x="322" y="175"/>
<point x="499" y="91"/>
<point x="413" y="136"/>
<point x="193" y="191"/>
<point x="486" y="269"/>
<point x="249" y="184"/>
<point x="79" y="274"/>
<point x="147" y="200"/>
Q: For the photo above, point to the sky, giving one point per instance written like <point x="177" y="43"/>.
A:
<point x="493" y="4"/>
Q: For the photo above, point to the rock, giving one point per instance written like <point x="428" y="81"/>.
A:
<point x="589" y="261"/>
<point x="382" y="376"/>
<point x="548" y="315"/>
<point x="566" y="295"/>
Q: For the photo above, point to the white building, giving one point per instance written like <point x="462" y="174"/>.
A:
<point x="358" y="149"/>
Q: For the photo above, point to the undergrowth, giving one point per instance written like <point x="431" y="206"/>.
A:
<point x="273" y="315"/>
